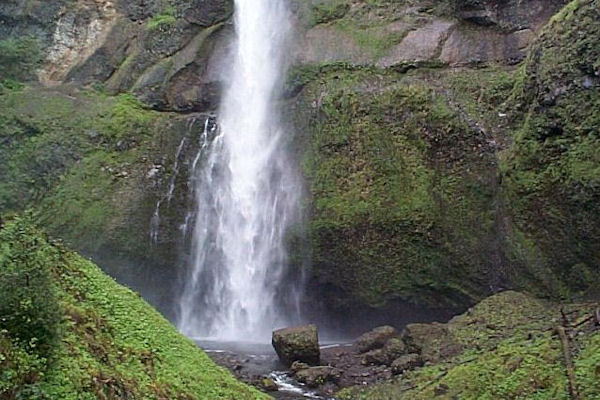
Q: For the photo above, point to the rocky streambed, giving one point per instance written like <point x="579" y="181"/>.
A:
<point x="306" y="369"/>
<point x="505" y="337"/>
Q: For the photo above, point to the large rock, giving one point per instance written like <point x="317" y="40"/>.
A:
<point x="392" y="349"/>
<point x="375" y="339"/>
<point x="299" y="343"/>
<point x="433" y="341"/>
<point x="406" y="362"/>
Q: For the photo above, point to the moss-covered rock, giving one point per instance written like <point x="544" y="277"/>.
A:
<point x="552" y="171"/>
<point x="403" y="191"/>
<point x="437" y="187"/>
<point x="111" y="344"/>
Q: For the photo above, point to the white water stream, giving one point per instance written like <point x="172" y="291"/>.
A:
<point x="246" y="193"/>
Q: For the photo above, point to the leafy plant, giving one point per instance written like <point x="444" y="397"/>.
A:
<point x="19" y="57"/>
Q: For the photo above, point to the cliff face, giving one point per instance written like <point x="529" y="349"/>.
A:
<point x="442" y="169"/>
<point x="158" y="49"/>
<point x="446" y="157"/>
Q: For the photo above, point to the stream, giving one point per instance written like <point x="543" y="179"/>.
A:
<point x="251" y="362"/>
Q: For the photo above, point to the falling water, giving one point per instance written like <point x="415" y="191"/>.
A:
<point x="155" y="221"/>
<point x="246" y="193"/>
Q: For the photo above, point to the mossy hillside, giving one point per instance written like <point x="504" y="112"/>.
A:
<point x="510" y="350"/>
<point x="82" y="159"/>
<point x="551" y="172"/>
<point x="403" y="190"/>
<point x="106" y="343"/>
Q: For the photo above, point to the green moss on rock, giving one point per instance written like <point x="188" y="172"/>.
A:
<point x="81" y="159"/>
<point x="403" y="191"/>
<point x="552" y="171"/>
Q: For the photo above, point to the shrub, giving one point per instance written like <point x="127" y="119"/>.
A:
<point x="29" y="313"/>
<point x="19" y="57"/>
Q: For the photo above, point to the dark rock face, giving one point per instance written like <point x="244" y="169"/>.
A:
<point x="297" y="344"/>
<point x="160" y="52"/>
<point x="508" y="14"/>
<point x="208" y="12"/>
<point x="375" y="339"/>
<point x="36" y="18"/>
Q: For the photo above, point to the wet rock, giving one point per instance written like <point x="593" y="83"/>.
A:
<point x="373" y="357"/>
<point x="299" y="343"/>
<point x="268" y="385"/>
<point x="441" y="390"/>
<point x="507" y="14"/>
<point x="433" y="341"/>
<point x="206" y="13"/>
<point x="375" y="339"/>
<point x="419" y="44"/>
<point x="297" y="366"/>
<point x="317" y="376"/>
<point x="392" y="349"/>
<point x="406" y="362"/>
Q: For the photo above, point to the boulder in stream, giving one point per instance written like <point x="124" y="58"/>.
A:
<point x="299" y="343"/>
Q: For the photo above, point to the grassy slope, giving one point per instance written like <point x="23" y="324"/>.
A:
<point x="108" y="343"/>
<point x="510" y="352"/>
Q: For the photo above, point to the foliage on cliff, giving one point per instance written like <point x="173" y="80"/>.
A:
<point x="404" y="185"/>
<point x="19" y="58"/>
<point x="81" y="159"/>
<point x="552" y="171"/>
<point x="68" y="331"/>
<point x="440" y="186"/>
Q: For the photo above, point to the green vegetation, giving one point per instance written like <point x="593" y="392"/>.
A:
<point x="165" y="19"/>
<point x="326" y="11"/>
<point x="403" y="205"/>
<point x="420" y="190"/>
<point x="552" y="171"/>
<point x="19" y="57"/>
<point x="81" y="162"/>
<point x="70" y="332"/>
<point x="161" y="21"/>
<point x="510" y="352"/>
<point x="45" y="133"/>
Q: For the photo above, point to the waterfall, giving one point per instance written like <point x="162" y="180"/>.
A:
<point x="246" y="193"/>
<point x="155" y="221"/>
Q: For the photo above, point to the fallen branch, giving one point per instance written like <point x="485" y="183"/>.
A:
<point x="577" y="325"/>
<point x="568" y="363"/>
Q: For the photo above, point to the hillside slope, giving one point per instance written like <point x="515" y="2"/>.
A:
<point x="68" y="331"/>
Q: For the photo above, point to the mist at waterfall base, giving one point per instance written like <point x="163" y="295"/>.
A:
<point x="247" y="192"/>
